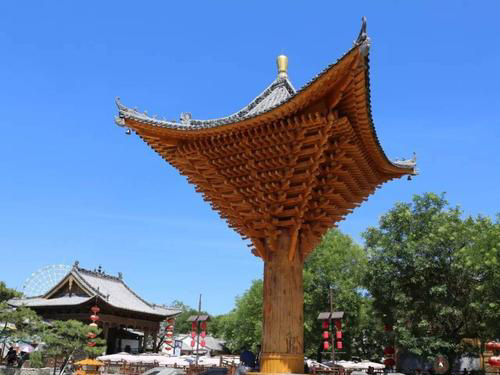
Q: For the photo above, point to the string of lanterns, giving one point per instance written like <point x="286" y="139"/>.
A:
<point x="326" y="334"/>
<point x="493" y="361"/>
<point x="202" y="334"/>
<point x="94" y="317"/>
<point x="389" y="351"/>
<point x="169" y="333"/>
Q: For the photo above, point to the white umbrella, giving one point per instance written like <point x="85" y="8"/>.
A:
<point x="27" y="348"/>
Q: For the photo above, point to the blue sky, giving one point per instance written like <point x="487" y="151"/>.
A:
<point x="73" y="186"/>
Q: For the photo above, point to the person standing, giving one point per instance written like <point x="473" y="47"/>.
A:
<point x="11" y="356"/>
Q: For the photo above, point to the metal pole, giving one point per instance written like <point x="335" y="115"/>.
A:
<point x="198" y="332"/>
<point x="333" y="330"/>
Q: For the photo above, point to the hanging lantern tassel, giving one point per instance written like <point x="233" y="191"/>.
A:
<point x="91" y="343"/>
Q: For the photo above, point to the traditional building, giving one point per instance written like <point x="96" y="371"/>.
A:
<point x="282" y="171"/>
<point x="122" y="311"/>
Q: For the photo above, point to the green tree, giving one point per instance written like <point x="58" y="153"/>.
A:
<point x="423" y="274"/>
<point x="66" y="339"/>
<point x="7" y="293"/>
<point x="17" y="324"/>
<point x="242" y="327"/>
<point x="337" y="263"/>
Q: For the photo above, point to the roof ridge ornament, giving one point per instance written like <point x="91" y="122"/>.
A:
<point x="282" y="62"/>
<point x="363" y="40"/>
<point x="362" y="33"/>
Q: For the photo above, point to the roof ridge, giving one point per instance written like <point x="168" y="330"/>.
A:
<point x="102" y="275"/>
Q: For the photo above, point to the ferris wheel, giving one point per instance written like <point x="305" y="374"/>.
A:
<point x="43" y="279"/>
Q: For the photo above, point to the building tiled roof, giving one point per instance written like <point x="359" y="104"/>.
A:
<point x="278" y="92"/>
<point x="40" y="301"/>
<point x="111" y="289"/>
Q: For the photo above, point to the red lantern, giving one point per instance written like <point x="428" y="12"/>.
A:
<point x="91" y="343"/>
<point x="492" y="345"/>
<point x="203" y="334"/>
<point x="326" y="345"/>
<point x="389" y="350"/>
<point x="339" y="345"/>
<point x="169" y="334"/>
<point x="325" y="325"/>
<point x="168" y="342"/>
<point x="193" y="326"/>
<point x="192" y="343"/>
<point x="389" y="362"/>
<point x="494" y="361"/>
<point x="338" y="324"/>
<point x="338" y="335"/>
<point x="91" y="335"/>
<point x="202" y="343"/>
<point x="193" y="334"/>
<point x="325" y="335"/>
<point x="94" y="318"/>
<point x="204" y="326"/>
<point x="170" y="328"/>
<point x="95" y="309"/>
<point x="170" y="321"/>
<point x="388" y="327"/>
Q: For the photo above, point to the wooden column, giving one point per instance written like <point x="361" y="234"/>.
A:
<point x="283" y="311"/>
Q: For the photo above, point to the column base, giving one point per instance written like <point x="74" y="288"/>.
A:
<point x="281" y="363"/>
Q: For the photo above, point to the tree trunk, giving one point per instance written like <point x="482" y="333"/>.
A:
<point x="283" y="312"/>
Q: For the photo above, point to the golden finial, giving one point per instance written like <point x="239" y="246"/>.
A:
<point x="282" y="62"/>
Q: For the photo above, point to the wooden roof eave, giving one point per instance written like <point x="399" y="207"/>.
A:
<point x="311" y="93"/>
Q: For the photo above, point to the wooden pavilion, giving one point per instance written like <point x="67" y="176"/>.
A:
<point x="282" y="171"/>
<point x="124" y="316"/>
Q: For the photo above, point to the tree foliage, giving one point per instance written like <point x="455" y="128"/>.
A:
<point x="19" y="323"/>
<point x="7" y="293"/>
<point x="337" y="263"/>
<point x="64" y="339"/>
<point x="433" y="273"/>
<point x="242" y="327"/>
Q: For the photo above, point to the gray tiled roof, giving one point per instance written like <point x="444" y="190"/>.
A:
<point x="110" y="289"/>
<point x="275" y="94"/>
<point x="40" y="301"/>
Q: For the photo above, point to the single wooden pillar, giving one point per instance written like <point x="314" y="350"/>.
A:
<point x="283" y="312"/>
